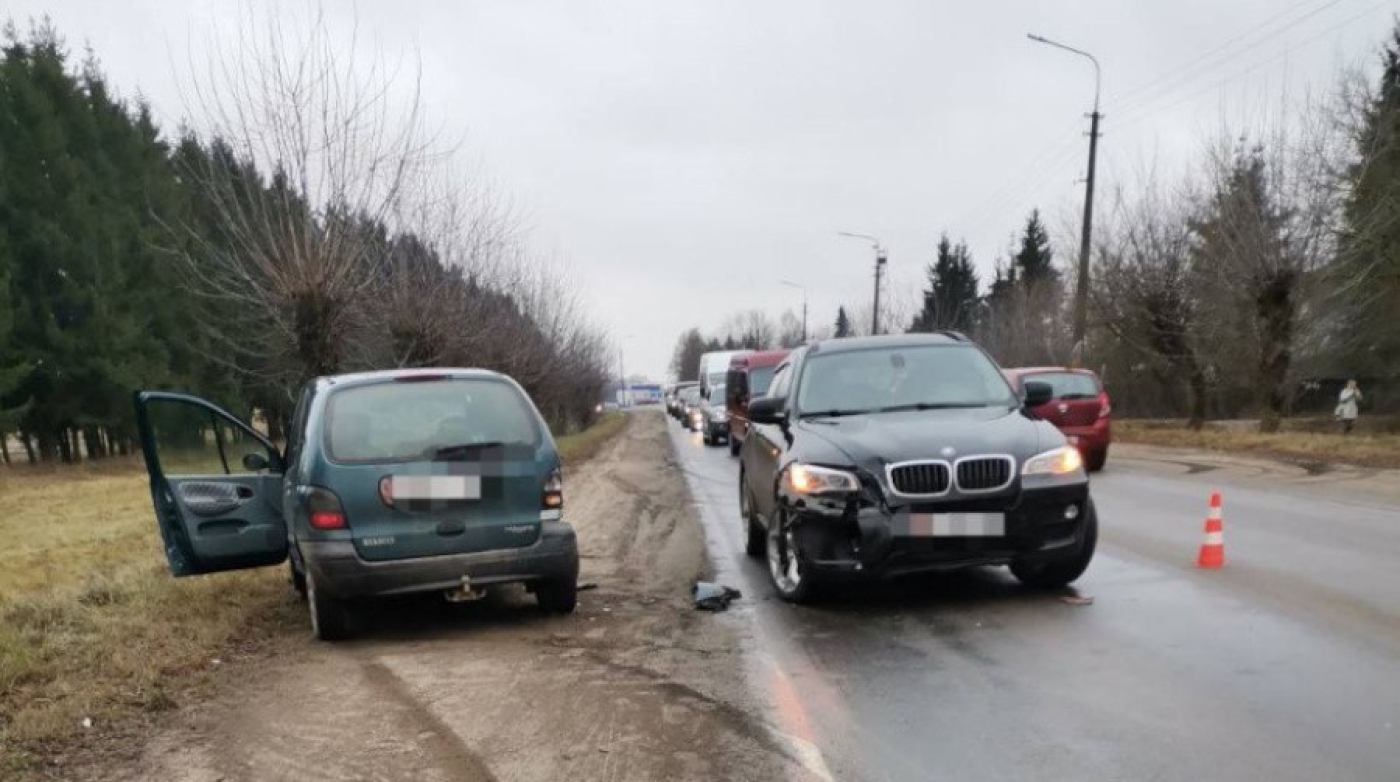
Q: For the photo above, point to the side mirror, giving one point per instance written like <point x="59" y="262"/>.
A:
<point x="768" y="410"/>
<point x="1038" y="393"/>
<point x="255" y="462"/>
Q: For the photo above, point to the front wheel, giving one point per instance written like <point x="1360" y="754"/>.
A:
<point x="1060" y="572"/>
<point x="755" y="537"/>
<point x="786" y="569"/>
<point x="330" y="616"/>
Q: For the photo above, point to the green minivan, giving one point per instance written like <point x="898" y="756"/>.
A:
<point x="390" y="483"/>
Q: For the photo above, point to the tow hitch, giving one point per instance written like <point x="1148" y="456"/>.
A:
<point x="464" y="593"/>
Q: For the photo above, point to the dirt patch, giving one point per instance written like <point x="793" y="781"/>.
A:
<point x="635" y="685"/>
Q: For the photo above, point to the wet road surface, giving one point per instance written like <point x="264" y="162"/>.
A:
<point x="1284" y="665"/>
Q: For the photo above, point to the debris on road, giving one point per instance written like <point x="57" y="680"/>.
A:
<point x="587" y="585"/>
<point x="1074" y="598"/>
<point x="710" y="596"/>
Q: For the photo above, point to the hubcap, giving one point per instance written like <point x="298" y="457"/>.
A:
<point x="782" y="555"/>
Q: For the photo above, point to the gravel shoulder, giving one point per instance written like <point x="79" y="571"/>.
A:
<point x="636" y="685"/>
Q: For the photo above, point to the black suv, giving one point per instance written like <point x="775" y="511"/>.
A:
<point x="882" y="456"/>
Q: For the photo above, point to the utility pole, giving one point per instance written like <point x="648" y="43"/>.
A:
<point x="880" y="259"/>
<point x="1086" y="236"/>
<point x="802" y="288"/>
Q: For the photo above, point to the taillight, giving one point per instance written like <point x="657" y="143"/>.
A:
<point x="323" y="509"/>
<point x="553" y="491"/>
<point x="1104" y="407"/>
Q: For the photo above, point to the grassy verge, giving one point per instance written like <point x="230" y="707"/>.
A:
<point x="1306" y="441"/>
<point x="92" y="626"/>
<point x="581" y="447"/>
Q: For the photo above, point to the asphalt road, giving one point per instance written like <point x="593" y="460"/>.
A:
<point x="1284" y="665"/>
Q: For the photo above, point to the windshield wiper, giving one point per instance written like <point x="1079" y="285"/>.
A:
<point x="932" y="406"/>
<point x="831" y="413"/>
<point x="1072" y="397"/>
<point x="448" y="453"/>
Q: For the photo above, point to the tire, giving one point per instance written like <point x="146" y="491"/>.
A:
<point x="786" y="570"/>
<point x="330" y="617"/>
<point x="733" y="445"/>
<point x="559" y="596"/>
<point x="1095" y="460"/>
<point x="755" y="537"/>
<point x="1059" y="573"/>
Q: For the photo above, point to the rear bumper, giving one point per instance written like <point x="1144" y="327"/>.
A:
<point x="1093" y="438"/>
<point x="868" y="542"/>
<point x="339" y="570"/>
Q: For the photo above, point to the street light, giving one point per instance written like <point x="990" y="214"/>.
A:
<point x="879" y="266"/>
<point x="802" y="288"/>
<point x="1081" y="288"/>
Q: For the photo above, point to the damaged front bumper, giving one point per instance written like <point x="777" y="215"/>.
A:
<point x="860" y="538"/>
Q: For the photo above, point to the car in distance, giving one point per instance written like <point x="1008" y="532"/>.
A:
<point x="747" y="379"/>
<point x="714" y="416"/>
<point x="1079" y="406"/>
<point x="713" y="369"/>
<point x="673" y="397"/>
<point x="891" y="455"/>
<point x="392" y="482"/>
<point x="688" y="407"/>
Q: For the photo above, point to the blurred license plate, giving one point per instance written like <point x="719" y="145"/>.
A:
<point x="437" y="487"/>
<point x="957" y="525"/>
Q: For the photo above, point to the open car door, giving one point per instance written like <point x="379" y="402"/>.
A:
<point x="216" y="484"/>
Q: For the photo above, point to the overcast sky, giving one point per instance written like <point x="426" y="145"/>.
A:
<point x="683" y="157"/>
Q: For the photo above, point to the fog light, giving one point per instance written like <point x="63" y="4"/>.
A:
<point x="1071" y="512"/>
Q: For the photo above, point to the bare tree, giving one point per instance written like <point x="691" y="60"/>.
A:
<point x="1145" y="292"/>
<point x="1268" y="225"/>
<point x="313" y="161"/>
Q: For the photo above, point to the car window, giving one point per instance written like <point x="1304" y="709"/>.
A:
<point x="1068" y="385"/>
<point x="781" y="381"/>
<point x="759" y="380"/>
<point x="407" y="421"/>
<point x="878" y="379"/>
<point x="297" y="436"/>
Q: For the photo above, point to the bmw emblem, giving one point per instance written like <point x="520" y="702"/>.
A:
<point x="947" y="451"/>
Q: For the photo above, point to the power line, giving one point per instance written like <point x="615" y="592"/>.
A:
<point x="1145" y="110"/>
<point x="1204" y="63"/>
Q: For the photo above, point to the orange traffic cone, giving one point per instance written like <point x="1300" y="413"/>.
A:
<point x="1213" y="549"/>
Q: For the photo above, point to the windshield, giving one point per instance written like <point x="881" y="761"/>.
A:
<point x="716" y="379"/>
<point x="906" y="378"/>
<point x="690" y="394"/>
<point x="1068" y="385"/>
<point x="408" y="421"/>
<point x="759" y="380"/>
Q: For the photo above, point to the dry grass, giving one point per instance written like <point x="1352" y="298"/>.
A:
<point x="93" y="626"/>
<point x="1307" y="440"/>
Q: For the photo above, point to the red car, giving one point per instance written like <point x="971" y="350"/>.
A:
<point x="747" y="379"/>
<point x="1079" y="407"/>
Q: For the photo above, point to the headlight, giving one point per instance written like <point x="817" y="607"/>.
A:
<point x="1061" y="461"/>
<point x="810" y="479"/>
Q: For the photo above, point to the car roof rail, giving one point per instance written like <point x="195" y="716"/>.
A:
<point x="957" y="336"/>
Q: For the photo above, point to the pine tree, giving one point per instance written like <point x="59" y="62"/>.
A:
<point x="843" y="323"/>
<point x="1368" y="270"/>
<point x="1034" y="259"/>
<point x="951" y="299"/>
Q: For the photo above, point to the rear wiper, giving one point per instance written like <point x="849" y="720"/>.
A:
<point x="451" y="452"/>
<point x="831" y="413"/>
<point x="1072" y="397"/>
<point x="931" y="406"/>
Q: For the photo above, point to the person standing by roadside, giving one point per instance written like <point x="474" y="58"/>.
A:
<point x="1348" y="406"/>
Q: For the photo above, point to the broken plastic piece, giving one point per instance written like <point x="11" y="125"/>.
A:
<point x="710" y="596"/>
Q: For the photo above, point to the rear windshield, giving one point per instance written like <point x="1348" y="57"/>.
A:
<point x="759" y="380"/>
<point x="408" y="421"/>
<point x="1069" y="385"/>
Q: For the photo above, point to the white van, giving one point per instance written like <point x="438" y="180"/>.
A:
<point x="714" y="368"/>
